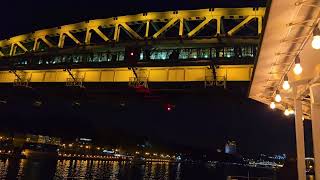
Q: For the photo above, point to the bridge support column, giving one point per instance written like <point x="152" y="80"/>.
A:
<point x="301" y="164"/>
<point x="315" y="117"/>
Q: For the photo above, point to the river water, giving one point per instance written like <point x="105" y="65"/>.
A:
<point x="113" y="170"/>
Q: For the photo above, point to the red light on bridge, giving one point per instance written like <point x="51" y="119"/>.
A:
<point x="169" y="107"/>
<point x="131" y="53"/>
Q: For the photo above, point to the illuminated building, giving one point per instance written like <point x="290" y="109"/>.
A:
<point x="231" y="147"/>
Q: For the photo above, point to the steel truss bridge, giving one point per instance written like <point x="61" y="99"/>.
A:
<point x="214" y="46"/>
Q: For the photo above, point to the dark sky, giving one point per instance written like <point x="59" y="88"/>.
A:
<point x="199" y="120"/>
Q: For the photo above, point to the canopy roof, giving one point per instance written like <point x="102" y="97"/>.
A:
<point x="287" y="34"/>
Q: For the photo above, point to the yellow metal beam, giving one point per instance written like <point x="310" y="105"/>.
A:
<point x="240" y="25"/>
<point x="88" y="37"/>
<point x="36" y="45"/>
<point x="116" y="33"/>
<point x="22" y="46"/>
<point x="47" y="42"/>
<point x="147" y="29"/>
<point x="13" y="49"/>
<point x="259" y="25"/>
<point x="131" y="31"/>
<point x="73" y="38"/>
<point x="1" y="53"/>
<point x="181" y="27"/>
<point x="154" y="74"/>
<point x="165" y="28"/>
<point x="199" y="27"/>
<point x="104" y="37"/>
<point x="61" y="40"/>
<point x="218" y="25"/>
<point x="190" y="15"/>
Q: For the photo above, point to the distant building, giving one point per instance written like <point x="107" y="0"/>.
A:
<point x="231" y="147"/>
<point x="19" y="140"/>
<point x="84" y="141"/>
<point x="42" y="139"/>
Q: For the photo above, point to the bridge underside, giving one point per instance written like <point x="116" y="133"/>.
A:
<point x="114" y="75"/>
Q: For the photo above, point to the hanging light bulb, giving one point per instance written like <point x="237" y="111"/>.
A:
<point x="272" y="105"/>
<point x="277" y="98"/>
<point x="297" y="67"/>
<point x="286" y="84"/>
<point x="316" y="38"/>
<point x="287" y="112"/>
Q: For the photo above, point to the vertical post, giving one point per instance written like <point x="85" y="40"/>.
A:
<point x="315" y="117"/>
<point x="116" y="33"/>
<point x="301" y="164"/>
<point x="219" y="25"/>
<point x="181" y="28"/>
<point x="147" y="29"/>
<point x="36" y="44"/>
<point x="13" y="49"/>
<point x="61" y="40"/>
<point x="259" y="25"/>
<point x="88" y="36"/>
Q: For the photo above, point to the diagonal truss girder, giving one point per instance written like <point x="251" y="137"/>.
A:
<point x="148" y="19"/>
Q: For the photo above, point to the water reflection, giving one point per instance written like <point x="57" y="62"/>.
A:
<point x="113" y="170"/>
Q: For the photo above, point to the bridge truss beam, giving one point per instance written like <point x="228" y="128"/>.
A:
<point x="82" y="31"/>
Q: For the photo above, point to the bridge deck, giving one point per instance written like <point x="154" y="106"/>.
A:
<point x="153" y="74"/>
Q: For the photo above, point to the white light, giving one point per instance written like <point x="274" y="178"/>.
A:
<point x="278" y="97"/>
<point x="316" y="42"/>
<point x="287" y="112"/>
<point x="297" y="69"/>
<point x="286" y="84"/>
<point x="272" y="105"/>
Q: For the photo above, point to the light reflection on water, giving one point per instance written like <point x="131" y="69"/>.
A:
<point x="83" y="169"/>
<point x="113" y="170"/>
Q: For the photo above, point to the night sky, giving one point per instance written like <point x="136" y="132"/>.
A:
<point x="202" y="119"/>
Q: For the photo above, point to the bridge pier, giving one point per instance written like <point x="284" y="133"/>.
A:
<point x="315" y="116"/>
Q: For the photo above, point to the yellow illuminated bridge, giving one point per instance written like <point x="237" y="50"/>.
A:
<point x="208" y="45"/>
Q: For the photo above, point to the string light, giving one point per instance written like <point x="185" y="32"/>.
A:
<point x="297" y="68"/>
<point x="278" y="96"/>
<point x="272" y="105"/>
<point x="287" y="112"/>
<point x="286" y="84"/>
<point x="316" y="38"/>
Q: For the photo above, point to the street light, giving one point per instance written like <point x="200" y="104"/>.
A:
<point x="297" y="68"/>
<point x="316" y="38"/>
<point x="272" y="105"/>
<point x="278" y="96"/>
<point x="286" y="84"/>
